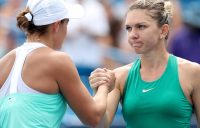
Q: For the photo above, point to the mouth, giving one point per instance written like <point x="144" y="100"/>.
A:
<point x="136" y="44"/>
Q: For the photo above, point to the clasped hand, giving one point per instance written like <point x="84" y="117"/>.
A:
<point x="101" y="77"/>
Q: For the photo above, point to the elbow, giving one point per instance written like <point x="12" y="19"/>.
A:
<point x="93" y="120"/>
<point x="94" y="114"/>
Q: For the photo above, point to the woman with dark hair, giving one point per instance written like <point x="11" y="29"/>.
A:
<point x="36" y="81"/>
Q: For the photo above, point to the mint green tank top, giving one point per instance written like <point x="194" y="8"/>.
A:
<point x="20" y="110"/>
<point x="157" y="104"/>
<point x="24" y="109"/>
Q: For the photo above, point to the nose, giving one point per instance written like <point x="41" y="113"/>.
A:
<point x="133" y="34"/>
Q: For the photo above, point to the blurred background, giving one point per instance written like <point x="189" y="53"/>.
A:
<point x="99" y="39"/>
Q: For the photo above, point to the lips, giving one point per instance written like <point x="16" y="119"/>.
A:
<point x="136" y="44"/>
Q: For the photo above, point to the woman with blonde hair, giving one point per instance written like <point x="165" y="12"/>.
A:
<point x="158" y="90"/>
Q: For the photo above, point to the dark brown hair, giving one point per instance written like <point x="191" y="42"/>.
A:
<point x="28" y="26"/>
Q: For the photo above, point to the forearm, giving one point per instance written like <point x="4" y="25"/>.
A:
<point x="94" y="107"/>
<point x="104" y="122"/>
<point x="112" y="104"/>
<point x="102" y="81"/>
<point x="100" y="99"/>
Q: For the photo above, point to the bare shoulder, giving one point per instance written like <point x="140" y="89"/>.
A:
<point x="8" y="56"/>
<point x="122" y="71"/>
<point x="59" y="57"/>
<point x="50" y="61"/>
<point x="121" y="74"/>
<point x="59" y="60"/>
<point x="7" y="61"/>
<point x="60" y="67"/>
<point x="6" y="64"/>
<point x="191" y="69"/>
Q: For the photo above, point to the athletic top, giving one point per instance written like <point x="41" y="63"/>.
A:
<point x="157" y="104"/>
<point x="24" y="107"/>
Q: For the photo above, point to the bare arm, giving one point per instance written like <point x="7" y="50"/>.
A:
<point x="112" y="104"/>
<point x="195" y="78"/>
<point x="89" y="110"/>
<point x="114" y="96"/>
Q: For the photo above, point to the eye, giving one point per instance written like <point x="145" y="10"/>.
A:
<point x="128" y="28"/>
<point x="141" y="27"/>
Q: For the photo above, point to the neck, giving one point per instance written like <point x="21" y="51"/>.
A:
<point x="39" y="39"/>
<point x="155" y="59"/>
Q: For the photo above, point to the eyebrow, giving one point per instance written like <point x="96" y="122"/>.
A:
<point x="136" y="24"/>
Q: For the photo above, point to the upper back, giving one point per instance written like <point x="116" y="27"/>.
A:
<point x="27" y="109"/>
<point x="37" y="70"/>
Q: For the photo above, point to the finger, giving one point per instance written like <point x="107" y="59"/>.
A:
<point x="99" y="83"/>
<point x="97" y="71"/>
<point x="99" y="75"/>
<point x="105" y="69"/>
<point x="111" y="74"/>
<point x="97" y="79"/>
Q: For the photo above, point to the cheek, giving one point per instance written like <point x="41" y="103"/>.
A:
<point x="64" y="34"/>
<point x="151" y="42"/>
<point x="59" y="41"/>
<point x="130" y="37"/>
<point x="152" y="36"/>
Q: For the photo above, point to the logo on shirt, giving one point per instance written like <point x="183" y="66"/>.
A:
<point x="147" y="90"/>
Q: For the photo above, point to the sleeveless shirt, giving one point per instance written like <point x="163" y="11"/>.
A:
<point x="157" y="104"/>
<point x="24" y="107"/>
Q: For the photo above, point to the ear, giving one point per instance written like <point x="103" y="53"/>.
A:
<point x="164" y="31"/>
<point x="55" y="26"/>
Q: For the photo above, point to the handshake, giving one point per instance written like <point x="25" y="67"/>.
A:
<point x="102" y="77"/>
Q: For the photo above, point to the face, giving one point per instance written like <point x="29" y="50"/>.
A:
<point x="61" y="33"/>
<point x="15" y="3"/>
<point x="143" y="31"/>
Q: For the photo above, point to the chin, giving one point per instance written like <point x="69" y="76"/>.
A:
<point x="138" y="51"/>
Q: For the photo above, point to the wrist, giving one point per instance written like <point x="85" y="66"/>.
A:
<point x="103" y="87"/>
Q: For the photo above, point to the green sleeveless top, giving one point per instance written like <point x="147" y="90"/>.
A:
<point x="20" y="110"/>
<point x="157" y="104"/>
